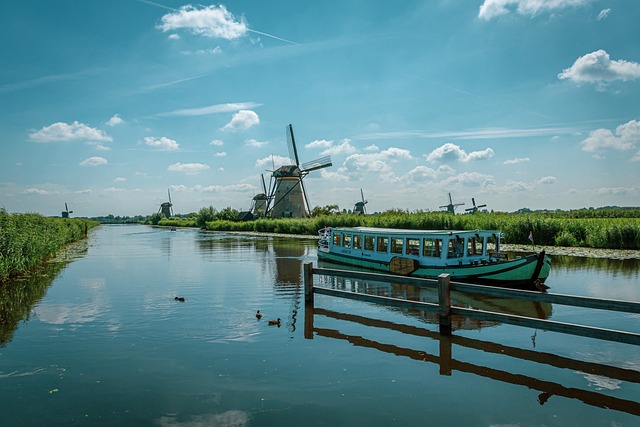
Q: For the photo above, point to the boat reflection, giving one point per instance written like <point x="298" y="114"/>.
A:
<point x="538" y="310"/>
<point x="448" y="364"/>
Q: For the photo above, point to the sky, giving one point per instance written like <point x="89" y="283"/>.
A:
<point x="108" y="105"/>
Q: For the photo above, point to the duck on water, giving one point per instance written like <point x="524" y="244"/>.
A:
<point x="470" y="256"/>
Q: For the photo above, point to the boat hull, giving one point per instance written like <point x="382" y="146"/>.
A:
<point x="526" y="272"/>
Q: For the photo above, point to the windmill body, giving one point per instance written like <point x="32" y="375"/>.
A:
<point x="166" y="208"/>
<point x="66" y="212"/>
<point x="290" y="199"/>
<point x="359" y="208"/>
<point x="451" y="207"/>
<point x="474" y="208"/>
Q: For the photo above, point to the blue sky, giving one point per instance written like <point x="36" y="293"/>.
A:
<point x="517" y="103"/>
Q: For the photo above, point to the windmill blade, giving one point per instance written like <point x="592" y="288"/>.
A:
<point x="291" y="142"/>
<point x="66" y="208"/>
<point x="169" y="193"/>
<point x="362" y="195"/>
<point x="322" y="162"/>
<point x="264" y="187"/>
<point x="304" y="195"/>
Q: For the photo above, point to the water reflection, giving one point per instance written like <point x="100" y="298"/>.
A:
<point x="448" y="364"/>
<point x="19" y="296"/>
<point x="538" y="310"/>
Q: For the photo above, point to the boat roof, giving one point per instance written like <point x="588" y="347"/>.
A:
<point x="406" y="232"/>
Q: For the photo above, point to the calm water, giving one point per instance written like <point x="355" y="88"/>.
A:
<point x="104" y="343"/>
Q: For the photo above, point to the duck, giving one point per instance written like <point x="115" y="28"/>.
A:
<point x="181" y="299"/>
<point x="258" y="315"/>
<point x="274" y="322"/>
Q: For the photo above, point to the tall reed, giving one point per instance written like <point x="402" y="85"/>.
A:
<point x="28" y="239"/>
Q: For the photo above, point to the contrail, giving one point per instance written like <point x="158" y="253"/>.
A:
<point x="248" y="29"/>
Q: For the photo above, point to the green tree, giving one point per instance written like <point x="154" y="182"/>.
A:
<point x="205" y="215"/>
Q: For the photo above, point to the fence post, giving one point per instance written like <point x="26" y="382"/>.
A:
<point x="307" y="277"/>
<point x="444" y="301"/>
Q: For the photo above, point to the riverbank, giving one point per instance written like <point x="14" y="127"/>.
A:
<point x="550" y="250"/>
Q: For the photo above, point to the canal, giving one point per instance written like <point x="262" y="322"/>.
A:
<point x="102" y="341"/>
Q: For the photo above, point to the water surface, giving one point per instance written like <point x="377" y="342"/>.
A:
<point x="104" y="342"/>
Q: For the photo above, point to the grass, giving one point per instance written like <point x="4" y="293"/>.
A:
<point x="27" y="240"/>
<point x="548" y="228"/>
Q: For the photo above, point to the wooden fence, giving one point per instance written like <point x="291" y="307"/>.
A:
<point x="445" y="310"/>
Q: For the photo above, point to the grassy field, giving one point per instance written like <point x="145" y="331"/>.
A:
<point x="607" y="230"/>
<point x="26" y="240"/>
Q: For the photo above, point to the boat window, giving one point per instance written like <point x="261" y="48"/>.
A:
<point x="431" y="247"/>
<point x="357" y="241"/>
<point x="492" y="244"/>
<point x="396" y="245"/>
<point x="336" y="239"/>
<point x="413" y="246"/>
<point x="382" y="244"/>
<point x="456" y="248"/>
<point x="346" y="242"/>
<point x="474" y="246"/>
<point x="368" y="243"/>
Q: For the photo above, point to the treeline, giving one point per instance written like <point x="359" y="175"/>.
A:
<point x="26" y="240"/>
<point x="547" y="229"/>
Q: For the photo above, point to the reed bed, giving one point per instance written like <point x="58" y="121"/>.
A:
<point x="547" y="229"/>
<point x="26" y="240"/>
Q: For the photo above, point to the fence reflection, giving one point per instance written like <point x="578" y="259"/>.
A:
<point x="448" y="364"/>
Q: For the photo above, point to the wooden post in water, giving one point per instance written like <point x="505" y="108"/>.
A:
<point x="307" y="276"/>
<point x="444" y="301"/>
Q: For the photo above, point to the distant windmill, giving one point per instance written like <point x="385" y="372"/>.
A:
<point x="290" y="199"/>
<point x="451" y="207"/>
<point x="260" y="202"/>
<point x="359" y="206"/>
<point x="66" y="211"/>
<point x="475" y="208"/>
<point x="167" y="207"/>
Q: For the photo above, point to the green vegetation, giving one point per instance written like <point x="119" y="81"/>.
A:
<point x="26" y="240"/>
<point x="610" y="229"/>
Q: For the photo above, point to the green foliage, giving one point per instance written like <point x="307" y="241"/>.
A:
<point x="205" y="215"/>
<point x="614" y="231"/>
<point x="28" y="239"/>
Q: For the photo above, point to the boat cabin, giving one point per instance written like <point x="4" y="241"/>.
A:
<point x="440" y="247"/>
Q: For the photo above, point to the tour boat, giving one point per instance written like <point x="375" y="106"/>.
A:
<point x="467" y="256"/>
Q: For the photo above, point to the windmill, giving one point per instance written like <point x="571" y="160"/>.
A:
<point x="451" y="207"/>
<point x="289" y="196"/>
<point x="260" y="202"/>
<point x="167" y="207"/>
<point x="66" y="211"/>
<point x="475" y="208"/>
<point x="359" y="206"/>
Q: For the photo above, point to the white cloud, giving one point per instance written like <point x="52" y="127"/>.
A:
<point x="94" y="161"/>
<point x="188" y="168"/>
<point x="371" y="147"/>
<point x="469" y="179"/>
<point x="120" y="179"/>
<point x="222" y="188"/>
<point x="517" y="160"/>
<point x="211" y="51"/>
<point x="420" y="174"/>
<point x="319" y="143"/>
<point x="211" y="109"/>
<point x="597" y="67"/>
<point x="220" y="154"/>
<point x="603" y="14"/>
<point x="273" y="162"/>
<point x="625" y="138"/>
<point x="452" y="152"/>
<point x="494" y="8"/>
<point x="174" y="36"/>
<point x="69" y="132"/>
<point x="255" y="143"/>
<point x="242" y="120"/>
<point x="547" y="180"/>
<point x="209" y="21"/>
<point x="112" y="190"/>
<point x="38" y="191"/>
<point x="163" y="143"/>
<point x="101" y="147"/>
<point x="377" y="162"/>
<point x="344" y="147"/>
<point x="216" y="142"/>
<point x="115" y="120"/>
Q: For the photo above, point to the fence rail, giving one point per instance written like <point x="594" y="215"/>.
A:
<point x="445" y="310"/>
